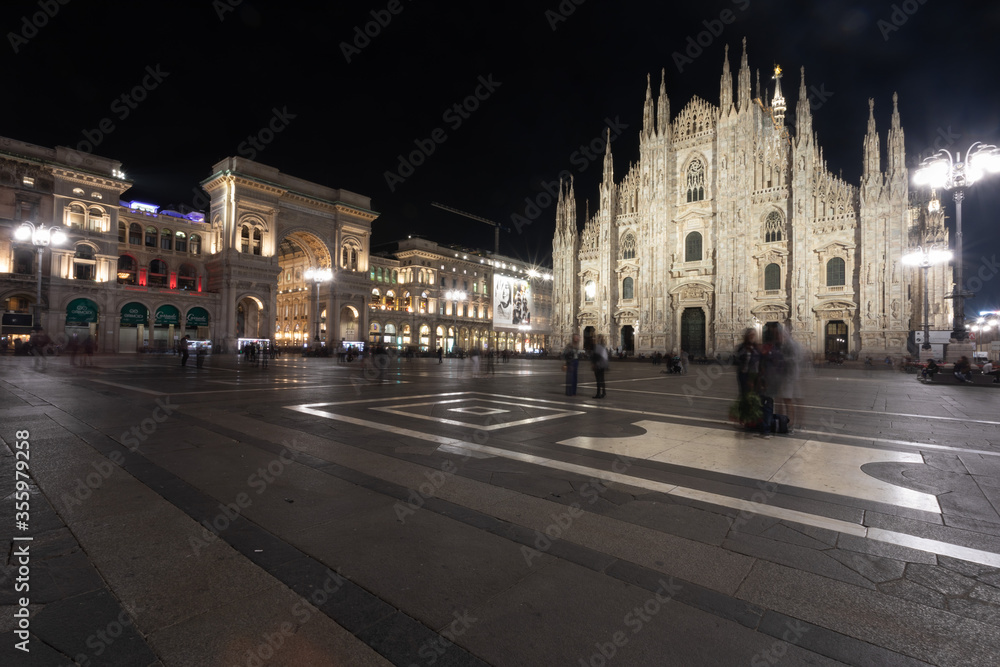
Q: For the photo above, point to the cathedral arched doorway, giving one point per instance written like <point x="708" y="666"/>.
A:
<point x="628" y="339"/>
<point x="588" y="338"/>
<point x="693" y="331"/>
<point x="836" y="338"/>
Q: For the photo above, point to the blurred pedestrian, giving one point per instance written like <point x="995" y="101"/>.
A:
<point x="185" y="343"/>
<point x="599" y="357"/>
<point x="571" y="362"/>
<point x="747" y="362"/>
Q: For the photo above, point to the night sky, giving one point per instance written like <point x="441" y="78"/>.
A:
<point x="550" y="77"/>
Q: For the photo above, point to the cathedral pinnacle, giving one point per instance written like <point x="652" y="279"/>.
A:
<point x="803" y="111"/>
<point x="648" y="121"/>
<point x="743" y="81"/>
<point x="726" y="85"/>
<point x="663" y="106"/>
<point x="872" y="149"/>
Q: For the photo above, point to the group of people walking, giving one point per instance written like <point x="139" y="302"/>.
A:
<point x="765" y="373"/>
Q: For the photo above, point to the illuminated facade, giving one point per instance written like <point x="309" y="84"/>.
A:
<point x="732" y="220"/>
<point x="134" y="277"/>
<point x="424" y="295"/>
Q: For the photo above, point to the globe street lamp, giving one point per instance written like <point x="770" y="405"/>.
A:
<point x="925" y="258"/>
<point x="41" y="238"/>
<point x="319" y="276"/>
<point x="942" y="171"/>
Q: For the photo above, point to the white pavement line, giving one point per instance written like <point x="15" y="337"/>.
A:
<point x="935" y="547"/>
<point x="905" y="443"/>
<point x="131" y="388"/>
<point x="821" y="407"/>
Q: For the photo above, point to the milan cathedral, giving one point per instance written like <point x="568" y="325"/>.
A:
<point x="732" y="219"/>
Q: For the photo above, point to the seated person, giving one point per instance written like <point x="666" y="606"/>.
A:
<point x="963" y="370"/>
<point x="930" y="370"/>
<point x="988" y="369"/>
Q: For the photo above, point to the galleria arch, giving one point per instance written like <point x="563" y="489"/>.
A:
<point x="267" y="230"/>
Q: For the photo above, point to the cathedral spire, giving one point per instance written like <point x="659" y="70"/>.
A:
<point x="756" y="92"/>
<point x="895" y="146"/>
<point x="872" y="150"/>
<point x="803" y="110"/>
<point x="648" y="120"/>
<point x="743" y="80"/>
<point x="726" y="86"/>
<point x="663" y="106"/>
<point x="608" y="163"/>
<point x="778" y="102"/>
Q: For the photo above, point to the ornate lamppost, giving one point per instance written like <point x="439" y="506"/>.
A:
<point x="319" y="276"/>
<point x="925" y="258"/>
<point x="40" y="237"/>
<point x="941" y="170"/>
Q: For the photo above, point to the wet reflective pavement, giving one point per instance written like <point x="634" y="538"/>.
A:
<point x="321" y="513"/>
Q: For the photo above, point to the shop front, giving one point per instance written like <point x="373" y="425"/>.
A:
<point x="196" y="324"/>
<point x="133" y="328"/>
<point x="166" y="323"/>
<point x="81" y="320"/>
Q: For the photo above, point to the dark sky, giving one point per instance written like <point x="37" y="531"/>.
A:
<point x="559" y="71"/>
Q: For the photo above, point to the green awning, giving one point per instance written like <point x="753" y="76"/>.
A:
<point x="167" y="315"/>
<point x="81" y="311"/>
<point x="197" y="317"/>
<point x="134" y="314"/>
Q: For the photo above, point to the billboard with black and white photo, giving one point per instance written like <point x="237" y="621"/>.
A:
<point x="512" y="303"/>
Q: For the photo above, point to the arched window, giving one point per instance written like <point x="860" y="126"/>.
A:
<point x="343" y="257"/>
<point x="76" y="216"/>
<point x="773" y="228"/>
<point x="180" y="242"/>
<point x="187" y="277"/>
<point x="96" y="218"/>
<point x="166" y="240"/>
<point x="158" y="273"/>
<point x="692" y="247"/>
<point x="122" y="232"/>
<point x="695" y="181"/>
<point x="628" y="247"/>
<point x="195" y="244"/>
<point x="354" y="259"/>
<point x="127" y="270"/>
<point x="151" y="236"/>
<point x="371" y="273"/>
<point x="134" y="234"/>
<point x="258" y="241"/>
<point x="628" y="289"/>
<point x="378" y="273"/>
<point x="245" y="239"/>
<point x="589" y="290"/>
<point x="836" y="272"/>
<point x="772" y="277"/>
<point x="395" y="276"/>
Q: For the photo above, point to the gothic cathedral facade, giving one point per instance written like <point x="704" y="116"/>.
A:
<point x="730" y="220"/>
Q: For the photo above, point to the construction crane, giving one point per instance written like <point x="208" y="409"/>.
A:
<point x="496" y="225"/>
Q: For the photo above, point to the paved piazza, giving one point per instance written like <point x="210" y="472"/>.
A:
<point x="316" y="513"/>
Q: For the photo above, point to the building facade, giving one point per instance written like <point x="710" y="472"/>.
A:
<point x="424" y="295"/>
<point x="731" y="219"/>
<point x="136" y="278"/>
